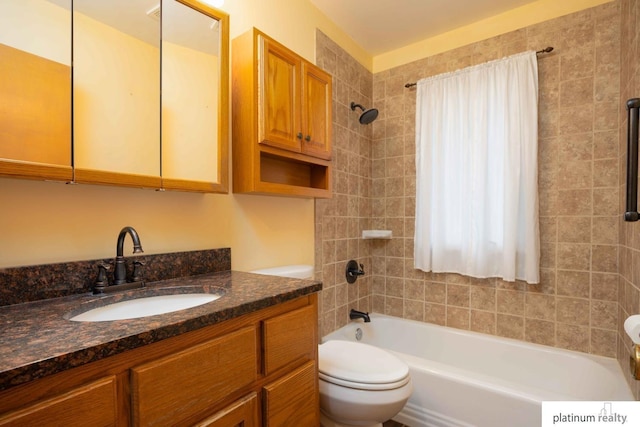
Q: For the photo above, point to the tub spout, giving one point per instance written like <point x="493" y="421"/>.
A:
<point x="355" y="314"/>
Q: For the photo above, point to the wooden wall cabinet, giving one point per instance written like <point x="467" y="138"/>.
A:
<point x="293" y="101"/>
<point x="256" y="370"/>
<point x="281" y="115"/>
<point x="125" y="133"/>
<point x="118" y="118"/>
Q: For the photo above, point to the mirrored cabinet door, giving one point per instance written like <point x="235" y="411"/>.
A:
<point x="35" y="89"/>
<point x="195" y="68"/>
<point x="116" y="92"/>
<point x="101" y="120"/>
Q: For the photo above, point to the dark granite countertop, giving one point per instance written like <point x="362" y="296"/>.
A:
<point x="37" y="339"/>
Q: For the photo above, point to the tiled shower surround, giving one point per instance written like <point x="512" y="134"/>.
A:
<point x="341" y="219"/>
<point x="585" y="291"/>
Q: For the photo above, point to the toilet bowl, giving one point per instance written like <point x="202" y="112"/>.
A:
<point x="360" y="385"/>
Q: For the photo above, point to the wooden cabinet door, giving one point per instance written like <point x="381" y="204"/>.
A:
<point x="185" y="384"/>
<point x="293" y="400"/>
<point x="279" y="99"/>
<point x="316" y="112"/>
<point x="242" y="413"/>
<point x="94" y="404"/>
<point x="289" y="337"/>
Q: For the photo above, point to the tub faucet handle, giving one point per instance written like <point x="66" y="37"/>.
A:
<point x="353" y="271"/>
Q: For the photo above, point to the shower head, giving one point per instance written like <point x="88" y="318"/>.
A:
<point x="367" y="116"/>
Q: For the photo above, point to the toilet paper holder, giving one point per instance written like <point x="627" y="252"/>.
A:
<point x="632" y="328"/>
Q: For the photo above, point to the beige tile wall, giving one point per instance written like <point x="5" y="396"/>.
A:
<point x="340" y="220"/>
<point x="629" y="284"/>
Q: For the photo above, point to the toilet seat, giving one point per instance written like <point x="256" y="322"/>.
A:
<point x="363" y="386"/>
<point x="360" y="366"/>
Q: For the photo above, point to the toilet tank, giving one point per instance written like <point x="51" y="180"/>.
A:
<point x="300" y="271"/>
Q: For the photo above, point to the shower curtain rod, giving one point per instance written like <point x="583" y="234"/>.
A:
<point x="545" y="50"/>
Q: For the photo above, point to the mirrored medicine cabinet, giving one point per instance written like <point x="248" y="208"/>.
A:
<point x="145" y="104"/>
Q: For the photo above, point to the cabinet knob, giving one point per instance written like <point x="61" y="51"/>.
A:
<point x="307" y="138"/>
<point x="299" y="135"/>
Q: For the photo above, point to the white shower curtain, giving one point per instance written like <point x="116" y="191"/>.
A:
<point x="477" y="171"/>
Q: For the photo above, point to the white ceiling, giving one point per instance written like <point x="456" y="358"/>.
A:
<point x="381" y="26"/>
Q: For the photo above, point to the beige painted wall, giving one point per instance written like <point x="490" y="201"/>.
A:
<point x="291" y="22"/>
<point x="44" y="222"/>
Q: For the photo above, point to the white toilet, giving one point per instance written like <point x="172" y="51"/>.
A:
<point x="360" y="385"/>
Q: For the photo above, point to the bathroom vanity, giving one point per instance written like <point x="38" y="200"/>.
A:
<point x="248" y="358"/>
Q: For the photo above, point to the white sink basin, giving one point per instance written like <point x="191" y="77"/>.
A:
<point x="143" y="307"/>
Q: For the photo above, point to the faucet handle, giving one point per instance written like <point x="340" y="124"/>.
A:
<point x="101" y="281"/>
<point x="361" y="271"/>
<point x="353" y="271"/>
<point x="104" y="265"/>
<point x="137" y="271"/>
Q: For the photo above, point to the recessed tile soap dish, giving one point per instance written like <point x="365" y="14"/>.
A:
<point x="376" y="234"/>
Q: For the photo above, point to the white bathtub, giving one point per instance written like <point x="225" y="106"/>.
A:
<point x="464" y="378"/>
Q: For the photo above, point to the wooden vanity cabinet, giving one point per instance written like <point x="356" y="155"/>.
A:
<point x="281" y="120"/>
<point x="259" y="369"/>
<point x="292" y="399"/>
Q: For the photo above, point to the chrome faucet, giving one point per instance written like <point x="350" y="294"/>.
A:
<point x="120" y="271"/>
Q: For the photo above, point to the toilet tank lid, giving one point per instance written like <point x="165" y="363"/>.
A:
<point x="359" y="362"/>
<point x="300" y="271"/>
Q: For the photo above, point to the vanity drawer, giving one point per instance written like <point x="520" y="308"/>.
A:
<point x="294" y="399"/>
<point x="243" y="412"/>
<point x="184" y="384"/>
<point x="290" y="337"/>
<point x="93" y="404"/>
